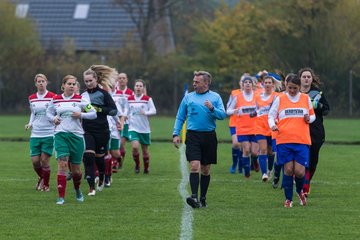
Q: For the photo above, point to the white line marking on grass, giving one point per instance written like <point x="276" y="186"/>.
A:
<point x="187" y="213"/>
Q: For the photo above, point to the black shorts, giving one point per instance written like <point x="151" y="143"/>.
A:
<point x="201" y="146"/>
<point x="97" y="142"/>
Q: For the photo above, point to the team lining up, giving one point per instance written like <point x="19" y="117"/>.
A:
<point x="93" y="128"/>
<point x="289" y="122"/>
<point x="262" y="121"/>
<point x="88" y="128"/>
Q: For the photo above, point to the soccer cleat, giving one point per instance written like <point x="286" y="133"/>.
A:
<point x="232" y="170"/>
<point x="302" y="198"/>
<point x="203" y="203"/>
<point x="265" y="177"/>
<point x="193" y="202"/>
<point x="40" y="184"/>
<point x="146" y="171"/>
<point x="275" y="182"/>
<point x="288" y="203"/>
<point x="45" y="189"/>
<point x="270" y="173"/>
<point x="92" y="192"/>
<point x="107" y="181"/>
<point x="100" y="186"/>
<point x="60" y="201"/>
<point x="137" y="169"/>
<point x="79" y="195"/>
<point x="307" y="192"/>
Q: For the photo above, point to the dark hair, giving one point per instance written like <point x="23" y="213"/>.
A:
<point x="293" y="78"/>
<point x="315" y="79"/>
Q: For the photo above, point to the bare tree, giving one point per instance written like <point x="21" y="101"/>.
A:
<point x="153" y="24"/>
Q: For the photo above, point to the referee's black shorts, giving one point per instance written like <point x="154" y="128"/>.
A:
<point x="201" y="146"/>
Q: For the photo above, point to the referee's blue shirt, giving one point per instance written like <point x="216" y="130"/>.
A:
<point x="200" y="118"/>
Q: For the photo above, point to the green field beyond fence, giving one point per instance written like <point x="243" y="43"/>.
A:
<point x="139" y="206"/>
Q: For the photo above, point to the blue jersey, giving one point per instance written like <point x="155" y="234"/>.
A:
<point x="199" y="116"/>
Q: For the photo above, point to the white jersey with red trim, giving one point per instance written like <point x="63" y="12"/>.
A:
<point x="121" y="98"/>
<point x="139" y="110"/>
<point x="63" y="107"/>
<point x="114" y="132"/>
<point x="41" y="126"/>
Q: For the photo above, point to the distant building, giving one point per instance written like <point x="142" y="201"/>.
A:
<point x="92" y="25"/>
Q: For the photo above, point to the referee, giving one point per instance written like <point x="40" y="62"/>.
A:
<point x="201" y="108"/>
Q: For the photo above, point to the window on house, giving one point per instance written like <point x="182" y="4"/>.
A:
<point x="21" y="10"/>
<point x="81" y="11"/>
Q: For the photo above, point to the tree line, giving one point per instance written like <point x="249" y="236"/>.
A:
<point x="208" y="35"/>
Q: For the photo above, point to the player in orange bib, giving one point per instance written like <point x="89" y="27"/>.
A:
<point x="245" y="126"/>
<point x="236" y="146"/>
<point x="294" y="112"/>
<point x="262" y="129"/>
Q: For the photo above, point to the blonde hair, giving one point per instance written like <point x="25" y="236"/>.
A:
<point x="40" y="75"/>
<point x="104" y="75"/>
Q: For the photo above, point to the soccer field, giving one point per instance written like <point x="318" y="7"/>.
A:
<point x="151" y="207"/>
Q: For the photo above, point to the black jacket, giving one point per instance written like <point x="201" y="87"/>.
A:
<point x="317" y="130"/>
<point x="104" y="105"/>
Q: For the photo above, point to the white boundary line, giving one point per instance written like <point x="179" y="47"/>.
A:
<point x="187" y="213"/>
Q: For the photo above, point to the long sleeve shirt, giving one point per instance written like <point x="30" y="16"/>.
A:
<point x="140" y="108"/>
<point x="41" y="126"/>
<point x="104" y="104"/>
<point x="199" y="117"/>
<point x="63" y="107"/>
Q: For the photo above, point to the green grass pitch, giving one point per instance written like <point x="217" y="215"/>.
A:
<point x="150" y="207"/>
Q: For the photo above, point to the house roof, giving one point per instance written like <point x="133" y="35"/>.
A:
<point x="106" y="25"/>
